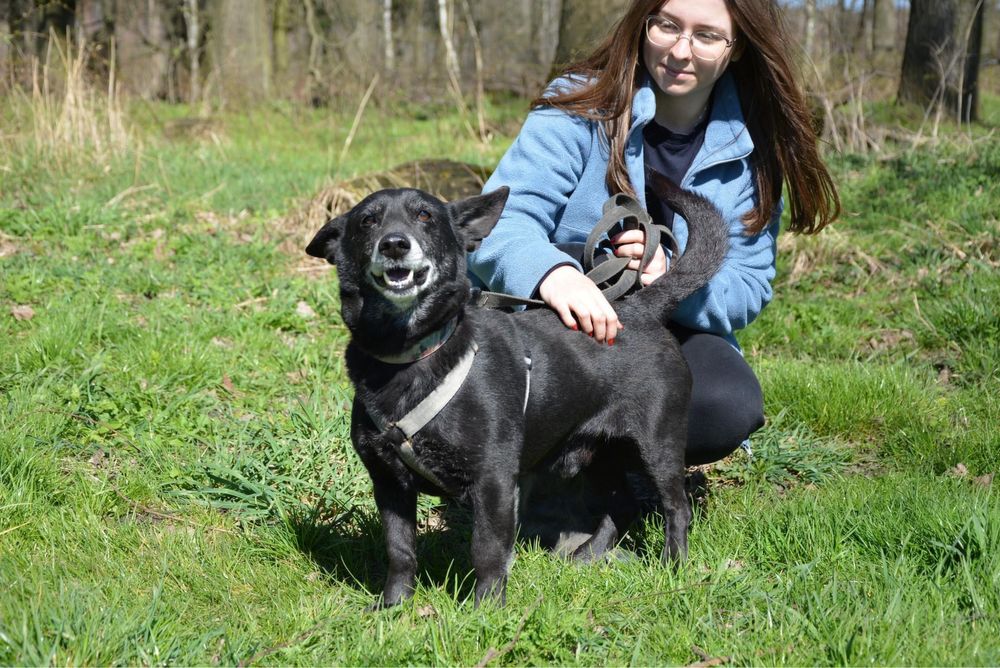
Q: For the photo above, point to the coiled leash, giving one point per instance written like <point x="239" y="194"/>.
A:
<point x="610" y="272"/>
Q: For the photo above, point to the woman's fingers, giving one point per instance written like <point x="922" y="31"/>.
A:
<point x="576" y="299"/>
<point x="629" y="237"/>
<point x="630" y="250"/>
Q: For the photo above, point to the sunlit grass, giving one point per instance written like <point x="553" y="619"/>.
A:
<point x="177" y="483"/>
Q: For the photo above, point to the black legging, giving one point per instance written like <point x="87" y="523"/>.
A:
<point x="726" y="402"/>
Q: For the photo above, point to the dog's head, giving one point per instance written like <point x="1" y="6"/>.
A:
<point x="401" y="245"/>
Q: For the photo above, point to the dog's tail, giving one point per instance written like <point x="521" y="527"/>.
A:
<point x="706" y="247"/>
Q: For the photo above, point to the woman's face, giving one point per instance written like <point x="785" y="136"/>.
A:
<point x="675" y="69"/>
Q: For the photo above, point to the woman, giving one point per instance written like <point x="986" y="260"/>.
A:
<point x="703" y="91"/>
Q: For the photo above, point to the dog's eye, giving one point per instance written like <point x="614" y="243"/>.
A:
<point x="424" y="216"/>
<point x="368" y="220"/>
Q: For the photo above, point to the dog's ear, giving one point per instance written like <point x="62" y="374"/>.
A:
<point x="327" y="240"/>
<point x="475" y="216"/>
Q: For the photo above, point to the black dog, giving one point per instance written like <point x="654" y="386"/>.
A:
<point x="401" y="263"/>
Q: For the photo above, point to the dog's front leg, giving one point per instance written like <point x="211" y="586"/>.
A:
<point x="494" y="523"/>
<point x="397" y="506"/>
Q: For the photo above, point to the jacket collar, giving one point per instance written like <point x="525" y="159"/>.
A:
<point x="726" y="136"/>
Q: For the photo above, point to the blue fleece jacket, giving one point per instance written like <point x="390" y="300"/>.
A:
<point x="556" y="169"/>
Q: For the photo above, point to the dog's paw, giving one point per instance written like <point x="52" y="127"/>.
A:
<point x="380" y="604"/>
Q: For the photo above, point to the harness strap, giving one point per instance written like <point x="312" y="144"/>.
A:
<point x="400" y="433"/>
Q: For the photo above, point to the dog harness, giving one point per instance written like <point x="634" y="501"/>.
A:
<point x="401" y="432"/>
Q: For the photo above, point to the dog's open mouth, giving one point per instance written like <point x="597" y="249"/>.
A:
<point x="401" y="279"/>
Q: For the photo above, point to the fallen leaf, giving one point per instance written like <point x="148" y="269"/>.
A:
<point x="983" y="480"/>
<point x="22" y="312"/>
<point x="706" y="660"/>
<point x="227" y="385"/>
<point x="7" y="246"/>
<point x="221" y="342"/>
<point x="97" y="459"/>
<point x="304" y="310"/>
<point x="426" y="611"/>
<point x="296" y="377"/>
<point x="959" y="471"/>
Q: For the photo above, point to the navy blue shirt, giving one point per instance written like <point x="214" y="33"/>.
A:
<point x="671" y="154"/>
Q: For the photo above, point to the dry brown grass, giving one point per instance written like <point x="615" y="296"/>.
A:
<point x="804" y="254"/>
<point x="446" y="179"/>
<point x="65" y="118"/>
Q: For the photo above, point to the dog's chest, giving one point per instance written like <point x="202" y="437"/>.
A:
<point x="415" y="425"/>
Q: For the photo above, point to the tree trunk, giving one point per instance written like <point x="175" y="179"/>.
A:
<point x="279" y="38"/>
<point x="314" y="78"/>
<point x="450" y="55"/>
<point x="868" y="26"/>
<point x="941" y="56"/>
<point x="884" y="37"/>
<point x="240" y="37"/>
<point x="5" y="36"/>
<point x="582" y="25"/>
<point x="142" y="47"/>
<point x="810" y="39"/>
<point x="192" y="27"/>
<point x="547" y="39"/>
<point x="390" y="44"/>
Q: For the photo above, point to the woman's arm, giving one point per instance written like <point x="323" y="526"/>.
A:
<point x="542" y="168"/>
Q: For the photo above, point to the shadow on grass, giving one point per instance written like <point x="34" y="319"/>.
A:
<point x="352" y="550"/>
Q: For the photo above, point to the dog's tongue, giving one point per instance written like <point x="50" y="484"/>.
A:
<point x="397" y="275"/>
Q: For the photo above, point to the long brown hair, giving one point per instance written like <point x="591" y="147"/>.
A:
<point x="772" y="102"/>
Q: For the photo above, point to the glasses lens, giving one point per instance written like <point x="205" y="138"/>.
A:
<point x="661" y="33"/>
<point x="708" y="50"/>
<point x="704" y="46"/>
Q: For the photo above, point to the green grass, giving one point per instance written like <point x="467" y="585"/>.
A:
<point x="177" y="483"/>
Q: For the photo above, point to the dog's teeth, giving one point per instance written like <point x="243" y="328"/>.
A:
<point x="398" y="278"/>
<point x="398" y="275"/>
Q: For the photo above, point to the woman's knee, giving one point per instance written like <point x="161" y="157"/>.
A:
<point x="726" y="413"/>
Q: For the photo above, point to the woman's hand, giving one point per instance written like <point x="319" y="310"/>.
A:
<point x="576" y="299"/>
<point x="631" y="243"/>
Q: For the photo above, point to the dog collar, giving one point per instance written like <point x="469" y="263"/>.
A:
<point x="424" y="347"/>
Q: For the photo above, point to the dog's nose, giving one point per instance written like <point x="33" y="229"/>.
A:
<point x="394" y="246"/>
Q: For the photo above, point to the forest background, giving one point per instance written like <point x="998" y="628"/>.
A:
<point x="324" y="52"/>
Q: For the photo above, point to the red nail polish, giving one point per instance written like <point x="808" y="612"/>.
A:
<point x="574" y="327"/>
<point x="611" y="342"/>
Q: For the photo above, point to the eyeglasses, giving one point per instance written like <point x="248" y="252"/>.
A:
<point x="705" y="44"/>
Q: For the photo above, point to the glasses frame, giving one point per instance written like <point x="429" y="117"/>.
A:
<point x="688" y="36"/>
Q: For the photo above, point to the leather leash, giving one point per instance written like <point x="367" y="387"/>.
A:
<point x="619" y="213"/>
